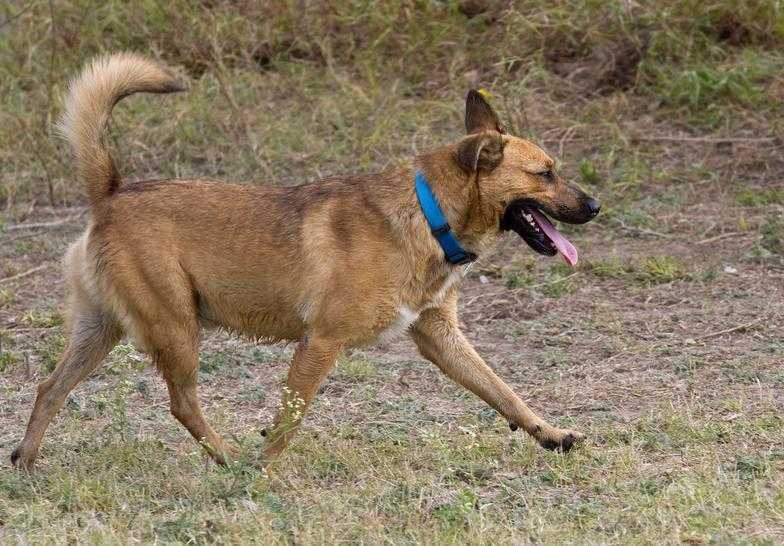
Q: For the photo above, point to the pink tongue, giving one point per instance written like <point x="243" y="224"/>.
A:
<point x="563" y="245"/>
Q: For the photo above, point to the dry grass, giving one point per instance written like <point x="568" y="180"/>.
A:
<point x="665" y="346"/>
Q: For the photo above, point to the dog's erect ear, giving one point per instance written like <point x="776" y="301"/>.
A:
<point x="482" y="152"/>
<point x="480" y="116"/>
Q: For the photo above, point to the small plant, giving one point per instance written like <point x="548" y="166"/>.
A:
<point x="661" y="269"/>
<point x="50" y="351"/>
<point x="6" y="297"/>
<point x="121" y="424"/>
<point x="43" y="318"/>
<point x="773" y="235"/>
<point x="357" y="369"/>
<point x="23" y="247"/>
<point x="519" y="279"/>
<point x="588" y="173"/>
<point x="213" y="363"/>
<point x="760" y="198"/>
<point x="124" y="357"/>
<point x="556" y="286"/>
<point x="7" y="359"/>
<point x="611" y="268"/>
<point x="460" y="508"/>
<point x="263" y="355"/>
<point x="749" y="467"/>
<point x="291" y="414"/>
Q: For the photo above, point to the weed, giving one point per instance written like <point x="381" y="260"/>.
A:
<point x="589" y="173"/>
<point x="649" y="270"/>
<point x="50" y="352"/>
<point x="212" y="363"/>
<point x="7" y="297"/>
<point x="458" y="509"/>
<point x="761" y="197"/>
<point x="43" y="318"/>
<point x="556" y="286"/>
<point x="661" y="269"/>
<point x="751" y="467"/>
<point x="608" y="268"/>
<point x="7" y="359"/>
<point x="264" y="355"/>
<point x="519" y="279"/>
<point x="357" y="369"/>
<point x="22" y="247"/>
<point x="773" y="235"/>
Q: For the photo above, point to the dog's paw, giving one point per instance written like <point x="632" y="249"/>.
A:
<point x="20" y="461"/>
<point x="562" y="440"/>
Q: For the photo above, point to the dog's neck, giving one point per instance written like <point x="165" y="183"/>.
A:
<point x="458" y="192"/>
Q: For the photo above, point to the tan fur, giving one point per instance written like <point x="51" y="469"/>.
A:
<point x="333" y="264"/>
<point x="90" y="99"/>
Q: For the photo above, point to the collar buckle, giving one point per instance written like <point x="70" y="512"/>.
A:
<point x="462" y="259"/>
<point x="441" y="230"/>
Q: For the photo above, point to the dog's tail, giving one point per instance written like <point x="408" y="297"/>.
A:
<point x="91" y="97"/>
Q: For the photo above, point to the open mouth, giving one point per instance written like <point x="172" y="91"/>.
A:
<point x="529" y="222"/>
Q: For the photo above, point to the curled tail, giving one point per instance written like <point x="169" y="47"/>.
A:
<point x="91" y="97"/>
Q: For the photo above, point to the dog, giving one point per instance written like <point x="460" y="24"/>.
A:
<point x="331" y="264"/>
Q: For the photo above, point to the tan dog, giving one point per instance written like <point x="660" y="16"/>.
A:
<point x="332" y="264"/>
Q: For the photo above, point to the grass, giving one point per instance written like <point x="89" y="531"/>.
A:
<point x="759" y="198"/>
<point x="664" y="345"/>
<point x="486" y="488"/>
<point x="325" y="60"/>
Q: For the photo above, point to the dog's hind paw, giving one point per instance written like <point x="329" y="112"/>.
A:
<point x="564" y="441"/>
<point x="18" y="460"/>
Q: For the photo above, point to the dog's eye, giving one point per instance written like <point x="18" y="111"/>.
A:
<point x="547" y="175"/>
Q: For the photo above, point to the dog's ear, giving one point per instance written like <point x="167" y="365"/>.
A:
<point x="479" y="115"/>
<point x="482" y="152"/>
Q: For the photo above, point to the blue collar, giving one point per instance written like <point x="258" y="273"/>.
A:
<point x="439" y="227"/>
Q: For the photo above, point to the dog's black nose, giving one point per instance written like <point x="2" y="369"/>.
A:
<point x="593" y="207"/>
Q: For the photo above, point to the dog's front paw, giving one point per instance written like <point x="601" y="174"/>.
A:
<point x="562" y="440"/>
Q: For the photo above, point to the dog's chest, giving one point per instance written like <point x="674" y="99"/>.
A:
<point x="408" y="314"/>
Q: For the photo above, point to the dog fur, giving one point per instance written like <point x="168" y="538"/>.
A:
<point x="332" y="264"/>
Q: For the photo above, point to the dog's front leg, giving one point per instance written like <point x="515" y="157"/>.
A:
<point x="313" y="359"/>
<point x="440" y="340"/>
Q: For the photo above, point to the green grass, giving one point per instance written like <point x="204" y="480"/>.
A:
<point x="7" y="359"/>
<point x="356" y="369"/>
<point x="44" y="318"/>
<point x="656" y="269"/>
<point x="474" y="485"/>
<point x="709" y="93"/>
<point x="661" y="269"/>
<point x="49" y="352"/>
<point x="344" y="72"/>
<point x="773" y="235"/>
<point x="761" y="197"/>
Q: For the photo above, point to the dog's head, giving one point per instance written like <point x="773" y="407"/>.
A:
<point x="518" y="181"/>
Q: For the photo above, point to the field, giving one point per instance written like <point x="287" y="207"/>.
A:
<point x="665" y="345"/>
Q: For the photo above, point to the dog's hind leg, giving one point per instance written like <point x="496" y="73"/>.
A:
<point x="440" y="340"/>
<point x="313" y="359"/>
<point x="179" y="364"/>
<point x="93" y="334"/>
